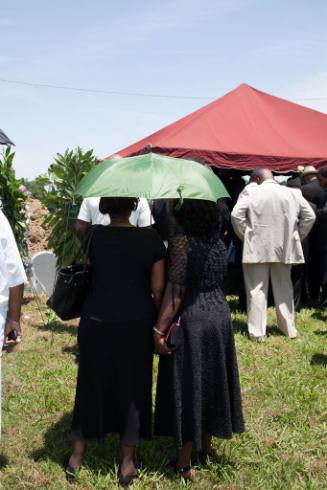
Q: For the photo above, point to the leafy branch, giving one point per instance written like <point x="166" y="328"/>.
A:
<point x="13" y="200"/>
<point x="64" y="175"/>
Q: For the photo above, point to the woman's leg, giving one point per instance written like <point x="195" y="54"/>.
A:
<point x="184" y="461"/>
<point x="206" y="443"/>
<point x="76" y="458"/>
<point x="208" y="453"/>
<point x="127" y="466"/>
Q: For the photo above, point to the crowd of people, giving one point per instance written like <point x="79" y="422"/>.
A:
<point x="161" y="269"/>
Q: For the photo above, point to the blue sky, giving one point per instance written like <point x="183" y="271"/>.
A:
<point x="182" y="47"/>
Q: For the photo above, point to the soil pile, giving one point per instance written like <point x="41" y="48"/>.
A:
<point x="38" y="232"/>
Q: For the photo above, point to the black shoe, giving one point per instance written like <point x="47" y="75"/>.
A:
<point x="71" y="473"/>
<point x="184" y="472"/>
<point x="126" y="480"/>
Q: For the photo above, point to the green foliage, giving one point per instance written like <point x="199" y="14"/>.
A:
<point x="64" y="174"/>
<point x="12" y="199"/>
<point x="37" y="187"/>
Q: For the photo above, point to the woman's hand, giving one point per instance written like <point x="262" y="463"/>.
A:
<point x="160" y="346"/>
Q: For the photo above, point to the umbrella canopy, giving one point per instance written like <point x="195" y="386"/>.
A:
<point x="4" y="140"/>
<point x="153" y="177"/>
<point x="244" y="129"/>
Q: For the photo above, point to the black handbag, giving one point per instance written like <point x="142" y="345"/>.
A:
<point x="72" y="286"/>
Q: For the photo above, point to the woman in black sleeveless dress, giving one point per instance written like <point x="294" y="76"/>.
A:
<point x="198" y="392"/>
<point x="114" y="385"/>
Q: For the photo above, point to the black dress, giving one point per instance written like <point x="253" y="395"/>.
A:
<point x="198" y="386"/>
<point x="113" y="392"/>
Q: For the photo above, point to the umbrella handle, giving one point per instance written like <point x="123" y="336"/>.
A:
<point x="181" y="200"/>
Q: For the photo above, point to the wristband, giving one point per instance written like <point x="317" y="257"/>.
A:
<point x="158" y="332"/>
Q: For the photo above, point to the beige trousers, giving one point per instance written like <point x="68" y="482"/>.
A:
<point x="256" y="277"/>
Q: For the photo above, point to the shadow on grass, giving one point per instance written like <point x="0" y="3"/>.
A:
<point x="320" y="315"/>
<point x="321" y="332"/>
<point x="240" y="326"/>
<point x="73" y="350"/>
<point x="319" y="360"/>
<point x="274" y="332"/>
<point x="56" y="442"/>
<point x="70" y="349"/>
<point x="4" y="461"/>
<point x="153" y="456"/>
<point x="57" y="326"/>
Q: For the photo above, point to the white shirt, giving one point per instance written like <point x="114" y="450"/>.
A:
<point x="12" y="271"/>
<point x="89" y="212"/>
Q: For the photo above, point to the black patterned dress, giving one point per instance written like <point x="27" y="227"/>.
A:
<point x="198" y="386"/>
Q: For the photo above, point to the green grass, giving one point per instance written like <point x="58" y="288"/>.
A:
<point x="284" y="393"/>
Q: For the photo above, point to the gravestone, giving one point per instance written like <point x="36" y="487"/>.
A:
<point x="44" y="268"/>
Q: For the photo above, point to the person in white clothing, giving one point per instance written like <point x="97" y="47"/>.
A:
<point x="252" y="184"/>
<point x="12" y="279"/>
<point x="271" y="221"/>
<point x="89" y="214"/>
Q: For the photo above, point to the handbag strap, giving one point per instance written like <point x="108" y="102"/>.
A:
<point x="86" y="243"/>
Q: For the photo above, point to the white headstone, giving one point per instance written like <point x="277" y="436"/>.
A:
<point x="44" y="271"/>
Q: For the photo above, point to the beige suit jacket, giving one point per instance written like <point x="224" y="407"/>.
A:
<point x="272" y="220"/>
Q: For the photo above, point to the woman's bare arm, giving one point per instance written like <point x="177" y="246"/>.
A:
<point x="171" y="303"/>
<point x="158" y="281"/>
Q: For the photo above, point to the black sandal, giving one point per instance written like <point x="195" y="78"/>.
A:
<point x="126" y="480"/>
<point x="180" y="470"/>
<point x="71" y="473"/>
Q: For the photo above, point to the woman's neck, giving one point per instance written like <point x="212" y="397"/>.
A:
<point x="120" y="221"/>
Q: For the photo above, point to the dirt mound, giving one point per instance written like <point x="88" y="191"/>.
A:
<point x="38" y="232"/>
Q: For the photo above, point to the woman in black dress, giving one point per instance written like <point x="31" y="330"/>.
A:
<point x="113" y="393"/>
<point x="198" y="392"/>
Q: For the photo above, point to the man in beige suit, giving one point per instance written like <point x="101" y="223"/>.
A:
<point x="271" y="220"/>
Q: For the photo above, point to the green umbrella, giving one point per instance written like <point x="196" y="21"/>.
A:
<point x="152" y="176"/>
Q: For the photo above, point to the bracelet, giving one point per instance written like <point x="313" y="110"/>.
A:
<point x="158" y="332"/>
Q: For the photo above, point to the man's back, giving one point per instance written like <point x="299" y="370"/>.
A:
<point x="314" y="193"/>
<point x="271" y="221"/>
<point x="271" y="232"/>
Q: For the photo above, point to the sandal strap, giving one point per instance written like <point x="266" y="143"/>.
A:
<point x="182" y="469"/>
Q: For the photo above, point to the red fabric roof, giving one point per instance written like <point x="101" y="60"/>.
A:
<point x="244" y="129"/>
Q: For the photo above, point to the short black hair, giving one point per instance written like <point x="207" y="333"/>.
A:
<point x="323" y="171"/>
<point x="198" y="217"/>
<point x="116" y="206"/>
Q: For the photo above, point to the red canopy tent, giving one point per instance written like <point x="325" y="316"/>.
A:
<point x="244" y="129"/>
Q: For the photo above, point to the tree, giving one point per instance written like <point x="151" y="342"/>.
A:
<point x="64" y="175"/>
<point x="13" y="200"/>
<point x="37" y="187"/>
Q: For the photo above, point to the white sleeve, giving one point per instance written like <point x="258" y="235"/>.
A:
<point x="144" y="217"/>
<point x="85" y="212"/>
<point x="239" y="216"/>
<point x="13" y="264"/>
